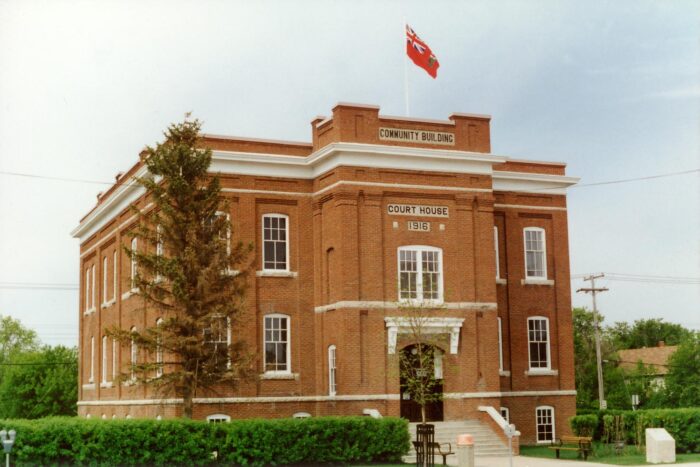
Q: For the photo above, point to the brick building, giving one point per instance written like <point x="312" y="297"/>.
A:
<point x="376" y="211"/>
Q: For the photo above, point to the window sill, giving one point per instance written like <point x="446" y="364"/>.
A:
<point x="90" y="311"/>
<point x="129" y="383"/>
<point x="284" y="376"/>
<point x="500" y="281"/>
<point x="105" y="384"/>
<point x="536" y="372"/>
<point x="536" y="282"/>
<point x="414" y="302"/>
<point x="272" y="273"/>
<point x="504" y="373"/>
<point x="231" y="272"/>
<point x="89" y="386"/>
<point x="108" y="304"/>
<point x="128" y="294"/>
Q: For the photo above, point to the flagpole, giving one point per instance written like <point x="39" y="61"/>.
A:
<point x="405" y="68"/>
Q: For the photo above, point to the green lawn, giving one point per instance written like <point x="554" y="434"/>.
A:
<point x="604" y="454"/>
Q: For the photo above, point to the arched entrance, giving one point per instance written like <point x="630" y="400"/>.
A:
<point x="421" y="380"/>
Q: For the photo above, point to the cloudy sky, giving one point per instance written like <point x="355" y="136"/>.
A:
<point x="610" y="87"/>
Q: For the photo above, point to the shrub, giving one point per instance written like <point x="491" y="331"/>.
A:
<point x="584" y="425"/>
<point x="682" y="424"/>
<point x="72" y="441"/>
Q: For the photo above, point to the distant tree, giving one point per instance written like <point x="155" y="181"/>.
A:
<point x="647" y="333"/>
<point x="40" y="383"/>
<point x="683" y="378"/>
<point x="189" y="271"/>
<point x="14" y="338"/>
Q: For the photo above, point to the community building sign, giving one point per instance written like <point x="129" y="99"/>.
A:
<point x="417" y="136"/>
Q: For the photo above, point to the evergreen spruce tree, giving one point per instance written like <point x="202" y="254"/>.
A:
<point x="187" y="270"/>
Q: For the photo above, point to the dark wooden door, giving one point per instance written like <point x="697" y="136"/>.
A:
<point x="410" y="409"/>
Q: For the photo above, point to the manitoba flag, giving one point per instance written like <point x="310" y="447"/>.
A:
<point x="420" y="53"/>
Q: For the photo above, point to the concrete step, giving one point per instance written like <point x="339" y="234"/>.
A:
<point x="486" y="442"/>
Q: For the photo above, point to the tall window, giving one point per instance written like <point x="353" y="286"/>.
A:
<point x="159" y="350"/>
<point x="495" y="247"/>
<point x="92" y="360"/>
<point x="87" y="289"/>
<point x="275" y="242"/>
<point x="92" y="293"/>
<point x="420" y="273"/>
<point x="104" y="279"/>
<point x="331" y="370"/>
<point x="218" y="336"/>
<point x="535" y="253"/>
<point x="104" y="359"/>
<point x="134" y="248"/>
<point x="115" y="347"/>
<point x="538" y="342"/>
<point x="134" y="355"/>
<point x="545" y="424"/>
<point x="277" y="349"/>
<point x="114" y="279"/>
<point x="500" y="344"/>
<point x="159" y="248"/>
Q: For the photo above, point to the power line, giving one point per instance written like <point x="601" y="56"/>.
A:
<point x="582" y="185"/>
<point x="37" y="286"/>
<point x="645" y="278"/>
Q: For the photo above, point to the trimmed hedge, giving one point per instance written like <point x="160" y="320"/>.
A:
<point x="682" y="424"/>
<point x="584" y="425"/>
<point x="72" y="441"/>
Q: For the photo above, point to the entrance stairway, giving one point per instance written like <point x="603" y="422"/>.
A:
<point x="486" y="442"/>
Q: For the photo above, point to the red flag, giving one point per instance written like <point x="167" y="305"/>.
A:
<point x="420" y="53"/>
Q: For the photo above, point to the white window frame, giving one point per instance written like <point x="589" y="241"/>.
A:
<point x="286" y="236"/>
<point x="92" y="294"/>
<point x="537" y="424"/>
<point x="332" y="381"/>
<point x="115" y="347"/>
<point x="159" y="351"/>
<point x="133" y="356"/>
<point x="105" y="264"/>
<point x="505" y="413"/>
<point x="495" y="243"/>
<point x="87" y="289"/>
<point x="114" y="279"/>
<point x="228" y="231"/>
<point x="548" y="342"/>
<point x="159" y="248"/>
<point x="134" y="265"/>
<point x="228" y="339"/>
<point x="218" y="418"/>
<point x="92" y="360"/>
<point x="419" y="249"/>
<point x="288" y="370"/>
<point x="543" y="251"/>
<point x="104" y="359"/>
<point x="500" y="344"/>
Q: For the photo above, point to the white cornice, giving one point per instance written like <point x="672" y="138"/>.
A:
<point x="330" y="157"/>
<point x="532" y="182"/>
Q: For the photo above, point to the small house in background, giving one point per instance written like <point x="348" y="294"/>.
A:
<point x="655" y="358"/>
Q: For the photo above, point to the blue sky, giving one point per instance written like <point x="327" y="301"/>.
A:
<point x="612" y="88"/>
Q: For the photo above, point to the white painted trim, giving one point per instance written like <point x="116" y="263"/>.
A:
<point x="218" y="417"/>
<point x="500" y="345"/>
<point x="532" y="182"/>
<point x="408" y="186"/>
<point x="287" y="259"/>
<point x="472" y="306"/>
<point x="276" y="273"/>
<point x="419" y="300"/>
<point x="332" y="156"/>
<point x="359" y="397"/>
<point x="526" y="206"/>
<point x="288" y="371"/>
<point x="541" y="230"/>
<point x="106" y="385"/>
<point x="495" y="249"/>
<point x="433" y="325"/>
<point x="283" y="375"/>
<point x="89" y="386"/>
<point x="536" y="281"/>
<point x="548" y="368"/>
<point x="500" y="281"/>
<point x="246" y="139"/>
<point x="554" y="431"/>
<point x="504" y="373"/>
<point x="543" y="372"/>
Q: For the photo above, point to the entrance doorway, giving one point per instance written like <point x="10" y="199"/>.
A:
<point x="421" y="373"/>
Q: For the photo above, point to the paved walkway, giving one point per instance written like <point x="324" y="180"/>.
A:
<point x="522" y="461"/>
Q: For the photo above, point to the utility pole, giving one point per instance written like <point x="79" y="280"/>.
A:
<point x="593" y="291"/>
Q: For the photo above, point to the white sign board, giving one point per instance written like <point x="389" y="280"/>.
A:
<point x="417" y="136"/>
<point x="417" y="210"/>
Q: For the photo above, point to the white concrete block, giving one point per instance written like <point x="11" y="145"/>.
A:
<point x="661" y="447"/>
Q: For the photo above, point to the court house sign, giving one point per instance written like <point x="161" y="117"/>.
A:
<point x="417" y="210"/>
